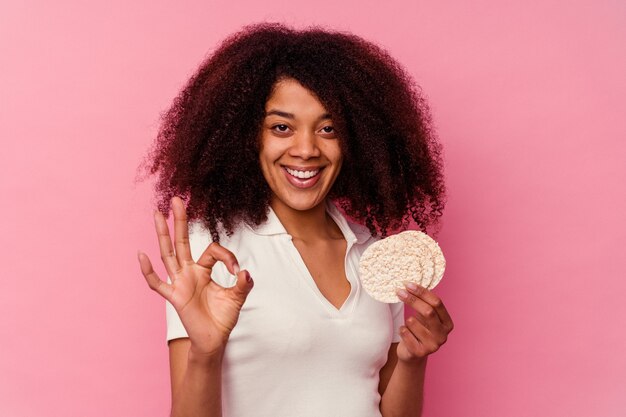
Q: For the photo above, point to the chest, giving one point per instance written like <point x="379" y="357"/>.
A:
<point x="325" y="263"/>
<point x="293" y="311"/>
<point x="285" y="320"/>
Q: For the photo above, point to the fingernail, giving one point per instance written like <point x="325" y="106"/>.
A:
<point x="236" y="268"/>
<point x="248" y="277"/>
<point x="411" y="286"/>
<point x="402" y="294"/>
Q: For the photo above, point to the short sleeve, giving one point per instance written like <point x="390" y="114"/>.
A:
<point x="199" y="240"/>
<point x="397" y="314"/>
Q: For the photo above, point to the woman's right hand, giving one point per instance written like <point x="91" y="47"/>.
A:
<point x="208" y="311"/>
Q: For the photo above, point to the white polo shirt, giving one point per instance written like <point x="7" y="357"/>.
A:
<point x="292" y="353"/>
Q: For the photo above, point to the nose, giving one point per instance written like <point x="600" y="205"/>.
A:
<point x="305" y="145"/>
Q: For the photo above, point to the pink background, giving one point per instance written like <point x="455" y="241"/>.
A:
<point x="529" y="101"/>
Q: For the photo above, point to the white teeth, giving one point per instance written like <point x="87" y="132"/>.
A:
<point x="302" y="174"/>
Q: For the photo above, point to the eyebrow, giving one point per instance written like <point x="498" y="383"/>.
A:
<point x="292" y="116"/>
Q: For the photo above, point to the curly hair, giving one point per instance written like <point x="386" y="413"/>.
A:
<point x="207" y="147"/>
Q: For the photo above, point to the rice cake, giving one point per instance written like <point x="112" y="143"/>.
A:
<point x="410" y="256"/>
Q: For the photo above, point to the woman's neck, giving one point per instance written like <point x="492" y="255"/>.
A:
<point x="309" y="225"/>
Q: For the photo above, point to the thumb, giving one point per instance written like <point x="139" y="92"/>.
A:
<point x="243" y="285"/>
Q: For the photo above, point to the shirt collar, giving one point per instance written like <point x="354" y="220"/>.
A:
<point x="351" y="232"/>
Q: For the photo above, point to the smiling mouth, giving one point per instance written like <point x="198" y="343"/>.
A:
<point x="303" y="174"/>
<point x="302" y="178"/>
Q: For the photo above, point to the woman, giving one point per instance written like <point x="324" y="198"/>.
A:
<point x="266" y="316"/>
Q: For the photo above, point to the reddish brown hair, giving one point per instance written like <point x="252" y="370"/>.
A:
<point x="207" y="149"/>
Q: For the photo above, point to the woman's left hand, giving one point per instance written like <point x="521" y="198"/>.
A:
<point x="425" y="332"/>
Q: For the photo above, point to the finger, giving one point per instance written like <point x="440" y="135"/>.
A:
<point x="427" y="336"/>
<point x="181" y="232"/>
<point x="414" y="346"/>
<point x="433" y="300"/>
<point x="153" y="280"/>
<point x="215" y="252"/>
<point x="424" y="312"/>
<point x="243" y="286"/>
<point x="427" y="313"/>
<point x="168" y="256"/>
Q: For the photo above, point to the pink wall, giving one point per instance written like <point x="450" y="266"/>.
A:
<point x="529" y="100"/>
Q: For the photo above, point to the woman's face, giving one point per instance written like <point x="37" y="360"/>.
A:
<point x="300" y="155"/>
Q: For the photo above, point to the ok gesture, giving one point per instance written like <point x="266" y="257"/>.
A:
<point x="208" y="311"/>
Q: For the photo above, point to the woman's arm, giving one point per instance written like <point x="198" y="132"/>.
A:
<point x="404" y="393"/>
<point x="422" y="335"/>
<point x="207" y="311"/>
<point x="196" y="381"/>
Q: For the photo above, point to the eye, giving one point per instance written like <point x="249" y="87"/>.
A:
<point x="280" y="128"/>
<point x="329" y="131"/>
